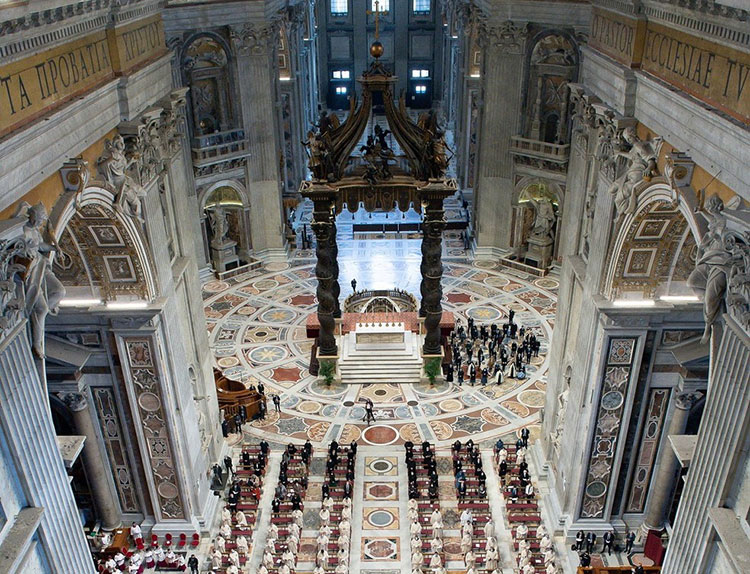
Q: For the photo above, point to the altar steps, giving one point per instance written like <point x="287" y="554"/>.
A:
<point x="379" y="363"/>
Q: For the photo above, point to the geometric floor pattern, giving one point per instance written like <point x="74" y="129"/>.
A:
<point x="256" y="325"/>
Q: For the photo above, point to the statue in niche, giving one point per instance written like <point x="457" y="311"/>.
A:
<point x="43" y="290"/>
<point x="640" y="166"/>
<point x="114" y="166"/>
<point x="219" y="226"/>
<point x="544" y="218"/>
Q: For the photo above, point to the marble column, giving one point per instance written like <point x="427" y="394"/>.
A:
<point x="254" y="50"/>
<point x="93" y="463"/>
<point x="501" y="115"/>
<point x="719" y="445"/>
<point x="663" y="482"/>
<point x="432" y="274"/>
<point x="28" y="427"/>
<point x="326" y="271"/>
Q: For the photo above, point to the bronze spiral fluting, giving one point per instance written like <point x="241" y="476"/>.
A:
<point x="324" y="271"/>
<point x="432" y="273"/>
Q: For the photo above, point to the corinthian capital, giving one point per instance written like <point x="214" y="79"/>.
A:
<point x="508" y="36"/>
<point x="252" y="39"/>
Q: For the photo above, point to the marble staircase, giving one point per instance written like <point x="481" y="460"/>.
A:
<point x="381" y="362"/>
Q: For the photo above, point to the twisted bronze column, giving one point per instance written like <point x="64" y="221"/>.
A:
<point x="325" y="271"/>
<point x="432" y="273"/>
<point x="335" y="287"/>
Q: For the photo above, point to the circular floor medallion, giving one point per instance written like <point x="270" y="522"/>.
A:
<point x="412" y="403"/>
<point x="227" y="362"/>
<point x="380" y="392"/>
<point x="348" y="403"/>
<point x="381" y="465"/>
<point x="451" y="405"/>
<point x="380" y="435"/>
<point x="380" y="518"/>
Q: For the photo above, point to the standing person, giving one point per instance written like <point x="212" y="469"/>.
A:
<point x="228" y="465"/>
<point x="629" y="540"/>
<point x="237" y="423"/>
<point x="262" y="407"/>
<point x="277" y="403"/>
<point x="354" y="285"/>
<point x="525" y="437"/>
<point x="243" y="413"/>
<point x="369" y="414"/>
<point x="193" y="564"/>
<point x="225" y="428"/>
<point x="590" y="542"/>
<point x="609" y="539"/>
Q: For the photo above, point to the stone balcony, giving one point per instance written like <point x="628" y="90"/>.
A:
<point x="219" y="147"/>
<point x="556" y="153"/>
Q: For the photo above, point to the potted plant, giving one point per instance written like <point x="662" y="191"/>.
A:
<point x="432" y="369"/>
<point x="327" y="371"/>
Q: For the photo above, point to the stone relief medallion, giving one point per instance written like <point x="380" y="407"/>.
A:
<point x="149" y="402"/>
<point x="443" y="431"/>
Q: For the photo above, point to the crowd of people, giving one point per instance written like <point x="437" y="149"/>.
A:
<point x="492" y="353"/>
<point x="334" y="535"/>
<point x="287" y="508"/>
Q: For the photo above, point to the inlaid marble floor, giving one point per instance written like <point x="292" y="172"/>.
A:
<point x="257" y="332"/>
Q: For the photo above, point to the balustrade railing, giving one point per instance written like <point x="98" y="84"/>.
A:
<point x="218" y="146"/>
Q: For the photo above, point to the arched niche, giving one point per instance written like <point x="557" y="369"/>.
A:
<point x="232" y="198"/>
<point x="205" y="67"/>
<point x="655" y="248"/>
<point x="101" y="252"/>
<point x="552" y="63"/>
<point x="529" y="193"/>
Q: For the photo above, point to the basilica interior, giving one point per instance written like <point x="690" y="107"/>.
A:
<point x="374" y="286"/>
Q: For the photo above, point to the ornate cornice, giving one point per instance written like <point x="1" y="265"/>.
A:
<point x="45" y="29"/>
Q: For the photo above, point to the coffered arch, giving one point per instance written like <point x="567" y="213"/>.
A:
<point x="101" y="251"/>
<point x="654" y="248"/>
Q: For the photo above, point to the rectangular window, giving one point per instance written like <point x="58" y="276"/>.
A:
<point x="421" y="6"/>
<point x="420" y="89"/>
<point x="341" y="90"/>
<point x="420" y="73"/>
<point x="383" y="5"/>
<point x="341" y="74"/>
<point x="339" y="7"/>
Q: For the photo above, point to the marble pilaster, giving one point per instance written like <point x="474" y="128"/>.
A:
<point x="96" y="471"/>
<point x="720" y="441"/>
<point x="503" y="72"/>
<point x="253" y="44"/>
<point x="662" y="485"/>
<point x="31" y="439"/>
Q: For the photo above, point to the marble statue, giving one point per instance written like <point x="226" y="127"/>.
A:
<point x="721" y="266"/>
<point x="113" y="167"/>
<point x="219" y="226"/>
<point x="43" y="290"/>
<point x="562" y="402"/>
<point x="544" y="217"/>
<point x="640" y="166"/>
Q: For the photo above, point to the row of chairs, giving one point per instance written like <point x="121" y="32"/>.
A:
<point x="182" y="541"/>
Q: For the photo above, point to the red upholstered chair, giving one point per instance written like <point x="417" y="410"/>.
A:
<point x="167" y="539"/>
<point x="196" y="540"/>
<point x="154" y="541"/>
<point x="183" y="540"/>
